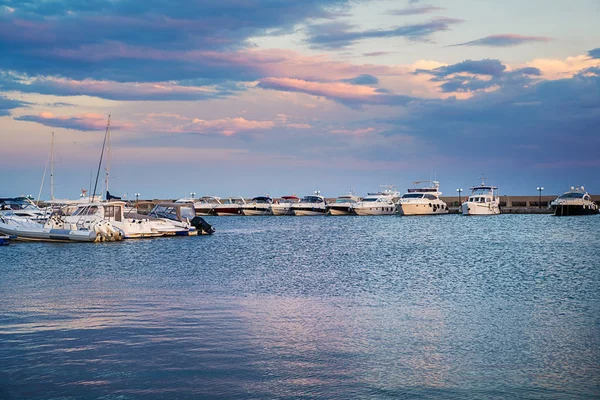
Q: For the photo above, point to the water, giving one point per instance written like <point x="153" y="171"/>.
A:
<point x="310" y="307"/>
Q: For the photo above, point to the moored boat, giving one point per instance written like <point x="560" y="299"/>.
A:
<point x="423" y="199"/>
<point x="284" y="205"/>
<point x="205" y="205"/>
<point x="574" y="202"/>
<point x="379" y="203"/>
<point x="231" y="206"/>
<point x="343" y="205"/>
<point x="310" y="205"/>
<point x="484" y="200"/>
<point x="260" y="205"/>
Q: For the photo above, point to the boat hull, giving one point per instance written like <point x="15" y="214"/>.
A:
<point x="374" y="211"/>
<point x="276" y="210"/>
<point x="569" y="210"/>
<point x="45" y="234"/>
<point x="256" y="211"/>
<point x="341" y="210"/>
<point x="409" y="209"/>
<point x="309" y="212"/>
<point x="472" y="208"/>
<point x="228" y="211"/>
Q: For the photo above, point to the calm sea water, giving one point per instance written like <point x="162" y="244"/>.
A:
<point x="310" y="307"/>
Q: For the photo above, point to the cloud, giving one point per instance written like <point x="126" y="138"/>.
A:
<point x="594" y="53"/>
<point x="175" y="123"/>
<point x="337" y="35"/>
<point x="506" y="40"/>
<point x="115" y="40"/>
<point x="345" y="93"/>
<point x="479" y="67"/>
<point x="415" y="10"/>
<point x="9" y="104"/>
<point x="83" y="122"/>
<point x="364" y="79"/>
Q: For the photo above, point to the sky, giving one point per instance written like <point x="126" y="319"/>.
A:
<point x="278" y="97"/>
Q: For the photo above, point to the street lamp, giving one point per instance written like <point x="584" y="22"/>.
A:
<point x="137" y="198"/>
<point x="459" y="190"/>
<point x="193" y="194"/>
<point x="539" y="189"/>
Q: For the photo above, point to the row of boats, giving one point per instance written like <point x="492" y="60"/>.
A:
<point x="423" y="199"/>
<point x="97" y="221"/>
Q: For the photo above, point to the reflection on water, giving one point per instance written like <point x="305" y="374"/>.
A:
<point x="378" y="307"/>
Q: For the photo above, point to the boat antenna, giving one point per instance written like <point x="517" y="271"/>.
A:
<point x="100" y="162"/>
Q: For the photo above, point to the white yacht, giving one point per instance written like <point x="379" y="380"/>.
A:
<point x="574" y="202"/>
<point x="310" y="205"/>
<point x="484" y="200"/>
<point x="343" y="205"/>
<point x="206" y="205"/>
<point x="24" y="207"/>
<point x="56" y="229"/>
<point x="423" y="199"/>
<point x="260" y="205"/>
<point x="90" y="213"/>
<point x="284" y="205"/>
<point x="231" y="206"/>
<point x="380" y="203"/>
<point x="181" y="215"/>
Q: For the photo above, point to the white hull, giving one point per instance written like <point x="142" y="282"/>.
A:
<point x="372" y="211"/>
<point x="256" y="211"/>
<point x="337" y="212"/>
<point x="45" y="234"/>
<point x="472" y="208"/>
<point x="277" y="209"/>
<point x="309" y="213"/>
<point x="409" y="209"/>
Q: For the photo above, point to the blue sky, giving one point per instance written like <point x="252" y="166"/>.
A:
<point x="233" y="97"/>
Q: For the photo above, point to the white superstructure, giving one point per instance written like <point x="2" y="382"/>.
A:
<point x="284" y="205"/>
<point x="423" y="199"/>
<point x="574" y="202"/>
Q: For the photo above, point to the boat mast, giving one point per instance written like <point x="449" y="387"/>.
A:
<point x="107" y="166"/>
<point x="52" y="168"/>
<point x="100" y="162"/>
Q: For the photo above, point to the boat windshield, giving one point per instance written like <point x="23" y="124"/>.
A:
<point x="312" y="199"/>
<point x="413" y="196"/>
<point x="87" y="210"/>
<point x="370" y="199"/>
<point x="344" y="200"/>
<point x="164" y="212"/>
<point x="481" y="191"/>
<point x="572" y="195"/>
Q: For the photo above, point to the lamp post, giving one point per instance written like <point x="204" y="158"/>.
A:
<point x="193" y="194"/>
<point x="137" y="198"/>
<point x="459" y="202"/>
<point x="539" y="189"/>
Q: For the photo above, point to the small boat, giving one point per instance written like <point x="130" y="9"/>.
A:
<point x="205" y="205"/>
<point x="574" y="202"/>
<point x="484" y="200"/>
<point x="423" y="199"/>
<point x="343" y="205"/>
<point x="91" y="213"/>
<point x="182" y="215"/>
<point x="260" y="205"/>
<point x="56" y="228"/>
<point x="24" y="207"/>
<point x="284" y="205"/>
<point x="380" y="203"/>
<point x="310" y="205"/>
<point x="231" y="206"/>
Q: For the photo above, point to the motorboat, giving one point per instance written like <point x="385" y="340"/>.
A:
<point x="574" y="202"/>
<point x="24" y="207"/>
<point x="343" y="205"/>
<point x="181" y="215"/>
<point x="423" y="199"/>
<point x="284" y="205"/>
<point x="56" y="228"/>
<point x="88" y="214"/>
<point x="484" y="200"/>
<point x="310" y="205"/>
<point x="260" y="205"/>
<point x="231" y="206"/>
<point x="206" y="205"/>
<point x="379" y="203"/>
